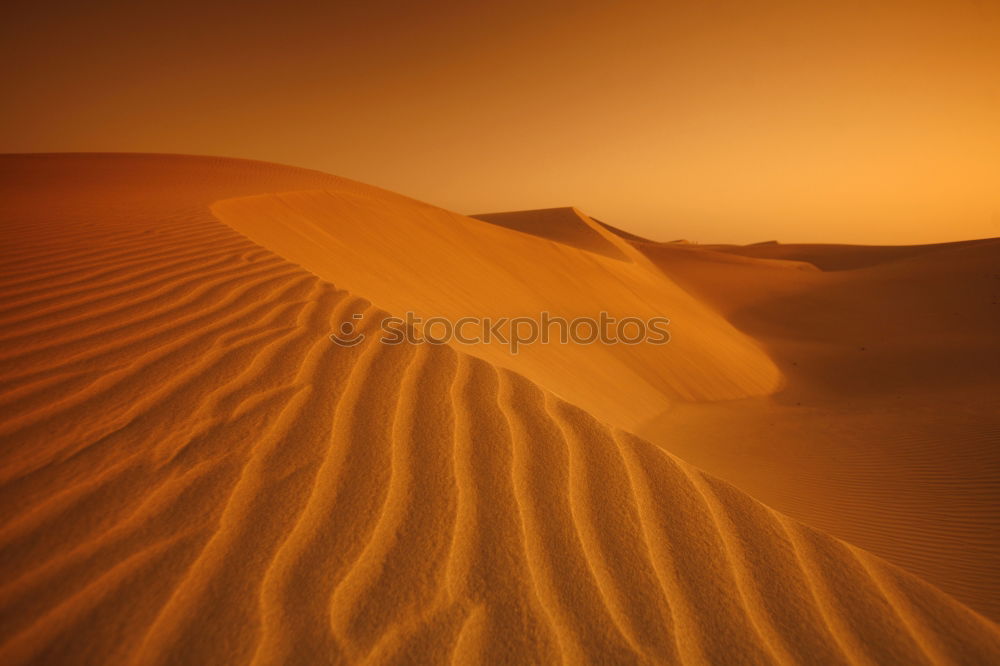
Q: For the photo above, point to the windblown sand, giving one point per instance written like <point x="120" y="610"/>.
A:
<point x="193" y="473"/>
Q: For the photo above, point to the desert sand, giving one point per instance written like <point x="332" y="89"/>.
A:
<point x="191" y="472"/>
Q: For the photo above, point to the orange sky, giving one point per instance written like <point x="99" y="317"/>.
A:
<point x="872" y="122"/>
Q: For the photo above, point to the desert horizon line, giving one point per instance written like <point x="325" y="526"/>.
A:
<point x="616" y="227"/>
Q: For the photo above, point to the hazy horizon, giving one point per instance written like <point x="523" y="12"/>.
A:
<point x="729" y="122"/>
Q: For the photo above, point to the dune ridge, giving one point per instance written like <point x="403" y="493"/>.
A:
<point x="563" y="225"/>
<point x="410" y="256"/>
<point x="193" y="473"/>
<point x="832" y="257"/>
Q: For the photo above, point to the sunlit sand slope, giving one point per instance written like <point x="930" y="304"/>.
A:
<point x="887" y="432"/>
<point x="192" y="473"/>
<point x="406" y="255"/>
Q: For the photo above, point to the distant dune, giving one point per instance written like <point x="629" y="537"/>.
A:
<point x="564" y="225"/>
<point x="840" y="257"/>
<point x="887" y="430"/>
<point x="193" y="473"/>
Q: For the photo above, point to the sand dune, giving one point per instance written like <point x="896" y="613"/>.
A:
<point x="406" y="255"/>
<point x="886" y="431"/>
<point x="563" y="225"/>
<point x="838" y="257"/>
<point x="191" y="472"/>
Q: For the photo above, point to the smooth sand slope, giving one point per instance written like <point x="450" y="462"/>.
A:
<point x="191" y="472"/>
<point x="406" y="255"/>
<point x="887" y="431"/>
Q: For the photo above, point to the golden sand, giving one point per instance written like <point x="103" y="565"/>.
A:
<point x="193" y="473"/>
